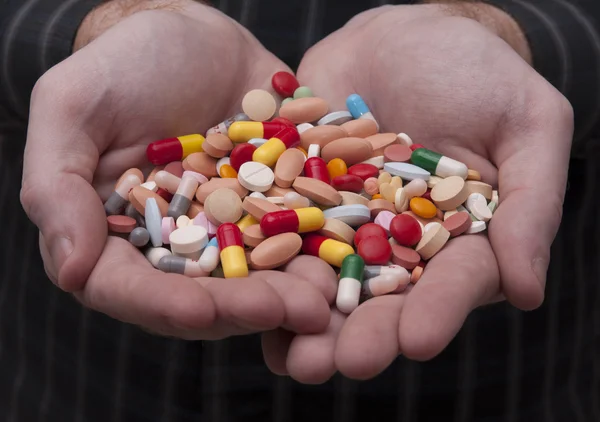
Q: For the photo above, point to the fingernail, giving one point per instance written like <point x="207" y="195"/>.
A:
<point x="60" y="250"/>
<point x="540" y="268"/>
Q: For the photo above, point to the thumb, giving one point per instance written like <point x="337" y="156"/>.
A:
<point x="59" y="163"/>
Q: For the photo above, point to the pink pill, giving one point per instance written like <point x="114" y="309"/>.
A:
<point x="384" y="219"/>
<point x="202" y="221"/>
<point x="167" y="227"/>
<point x="175" y="167"/>
<point x="371" y="186"/>
<point x="397" y="153"/>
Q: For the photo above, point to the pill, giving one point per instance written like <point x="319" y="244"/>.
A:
<point x="277" y="200"/>
<point x="351" y="150"/>
<point x="405" y="230"/>
<point x="223" y="206"/>
<point x="139" y="237"/>
<point x="303" y="127"/>
<point x="277" y="191"/>
<point x="284" y="83"/>
<point x="314" y="150"/>
<point x="181" y="265"/>
<point x="432" y="181"/>
<point x="317" y="191"/>
<point x="364" y="171"/>
<point x="401" y="200"/>
<point x="138" y="196"/>
<point x="405" y="257"/>
<point x="430" y="226"/>
<point x="175" y="168"/>
<point x="321" y="135"/>
<point x="416" y="146"/>
<point x="244" y="131"/>
<point x="304" y="110"/>
<point x="336" y="167"/>
<point x="302" y="92"/>
<point x="286" y="100"/>
<point x="476" y="227"/>
<point x="347" y="182"/>
<point x="276" y="251"/>
<point x="217" y="145"/>
<point x="338" y="230"/>
<point x="120" y="223"/>
<point x="258" y="207"/>
<point x="369" y="230"/>
<point x="457" y="224"/>
<point x="375" y="250"/>
<point x="154" y="255"/>
<point x="329" y="250"/>
<point x="189" y="241"/>
<point x="259" y="105"/>
<point x="377" y="196"/>
<point x="476" y="204"/>
<point x="174" y="149"/>
<point x="495" y="198"/>
<point x="183" y="221"/>
<point x="335" y="118"/>
<point x="167" y="226"/>
<point x="404" y="139"/>
<point x="293" y="200"/>
<point x="303" y="151"/>
<point x="269" y="153"/>
<point x="223" y="127"/>
<point x="153" y="221"/>
<point x="316" y="168"/>
<point x="350" y="285"/>
<point x="378" y="162"/>
<point x="384" y="177"/>
<point x="360" y="128"/>
<point x="422" y="207"/>
<point x="380" y="141"/>
<point x="256" y="176"/>
<point x="432" y="241"/>
<point x="384" y="219"/>
<point x="473" y="175"/>
<point x="449" y="193"/>
<point x="358" y="108"/>
<point x="253" y="236"/>
<point x="183" y="196"/>
<point x="117" y="201"/>
<point x="350" y="198"/>
<point x="371" y="186"/>
<point x="213" y="184"/>
<point x="376" y="206"/>
<point x="202" y="220"/>
<point x="492" y="206"/>
<point x="167" y="181"/>
<point x="388" y="191"/>
<point x="241" y="153"/>
<point x="423" y="221"/>
<point x="302" y="220"/>
<point x="227" y="172"/>
<point x="377" y="270"/>
<point x="416" y="274"/>
<point x="474" y="186"/>
<point x="353" y="215"/>
<point x="397" y="153"/>
<point x="416" y="187"/>
<point x="136" y="172"/>
<point x="387" y="283"/>
<point x="233" y="259"/>
<point x="438" y="164"/>
<point x="202" y="163"/>
<point x="406" y="171"/>
<point x="151" y="186"/>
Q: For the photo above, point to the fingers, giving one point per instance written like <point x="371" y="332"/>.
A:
<point x="275" y="346"/>
<point x="57" y="196"/>
<point x="321" y="275"/>
<point x="533" y="161"/>
<point x="368" y="342"/>
<point x="463" y="276"/>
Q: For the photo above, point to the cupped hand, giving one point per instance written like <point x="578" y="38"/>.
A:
<point x="459" y="89"/>
<point x="154" y="75"/>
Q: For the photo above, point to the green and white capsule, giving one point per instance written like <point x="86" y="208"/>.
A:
<point x="438" y="164"/>
<point x="350" y="286"/>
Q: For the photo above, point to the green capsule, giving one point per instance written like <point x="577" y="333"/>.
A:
<point x="438" y="164"/>
<point x="303" y="92"/>
<point x="353" y="266"/>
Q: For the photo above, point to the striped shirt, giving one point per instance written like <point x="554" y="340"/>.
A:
<point x="60" y="362"/>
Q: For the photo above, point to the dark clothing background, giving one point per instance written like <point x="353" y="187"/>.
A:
<point x="59" y="362"/>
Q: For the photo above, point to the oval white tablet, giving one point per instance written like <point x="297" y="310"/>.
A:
<point x="257" y="142"/>
<point x="335" y="118"/>
<point x="404" y="139"/>
<point x="378" y="161"/>
<point x="256" y="176"/>
<point x="353" y="215"/>
<point x="406" y="171"/>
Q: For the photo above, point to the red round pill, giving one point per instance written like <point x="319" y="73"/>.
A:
<point x="347" y="182"/>
<point x="375" y="250"/>
<point x="284" y="83"/>
<point x="369" y="230"/>
<point x="363" y="170"/>
<point x="416" y="146"/>
<point x="406" y="230"/>
<point x="242" y="153"/>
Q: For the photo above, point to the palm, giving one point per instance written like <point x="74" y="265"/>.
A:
<point x="452" y="86"/>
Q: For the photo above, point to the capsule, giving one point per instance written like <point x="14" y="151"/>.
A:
<point x="350" y="286"/>
<point x="316" y="168"/>
<point x="329" y="250"/>
<point x="245" y="222"/>
<point x="139" y="237"/>
<point x="244" y="131"/>
<point x="387" y="281"/>
<point x="174" y="149"/>
<point x="438" y="164"/>
<point x="119" y="198"/>
<point x="223" y="127"/>
<point x="359" y="109"/>
<point x="181" y="265"/>
<point x="167" y="181"/>
<point x="183" y="197"/>
<point x="376" y="270"/>
<point x="269" y="153"/>
<point x="301" y="220"/>
<point x="209" y="260"/>
<point x="231" y="245"/>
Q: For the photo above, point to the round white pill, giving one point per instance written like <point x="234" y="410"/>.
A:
<point x="256" y="177"/>
<point x="189" y="241"/>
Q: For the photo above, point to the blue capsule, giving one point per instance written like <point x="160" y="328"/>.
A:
<point x="356" y="106"/>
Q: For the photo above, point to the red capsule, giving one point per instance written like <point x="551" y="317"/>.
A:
<point x="368" y="230"/>
<point x="347" y="182"/>
<point x="416" y="146"/>
<point x="167" y="196"/>
<point x="277" y="222"/>
<point x="363" y="170"/>
<point x="316" y="168"/>
<point x="406" y="230"/>
<point x="242" y="153"/>
<point x="283" y="120"/>
<point x="229" y="234"/>
<point x="284" y="83"/>
<point x="289" y="136"/>
<point x="375" y="250"/>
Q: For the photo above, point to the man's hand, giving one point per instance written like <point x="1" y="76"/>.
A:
<point x="153" y="75"/>
<point x="456" y="87"/>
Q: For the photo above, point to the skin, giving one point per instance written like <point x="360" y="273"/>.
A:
<point x="92" y="117"/>
<point x="459" y="89"/>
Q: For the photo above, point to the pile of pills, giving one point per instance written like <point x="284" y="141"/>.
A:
<point x="259" y="190"/>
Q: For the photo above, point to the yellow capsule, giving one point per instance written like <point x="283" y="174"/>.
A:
<point x="333" y="252"/>
<point x="269" y="152"/>
<point x="377" y="196"/>
<point x="233" y="260"/>
<point x="423" y="207"/>
<point x="337" y="167"/>
<point x="244" y="131"/>
<point x="309" y="219"/>
<point x="191" y="144"/>
<point x="245" y="222"/>
<point x="227" y="172"/>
